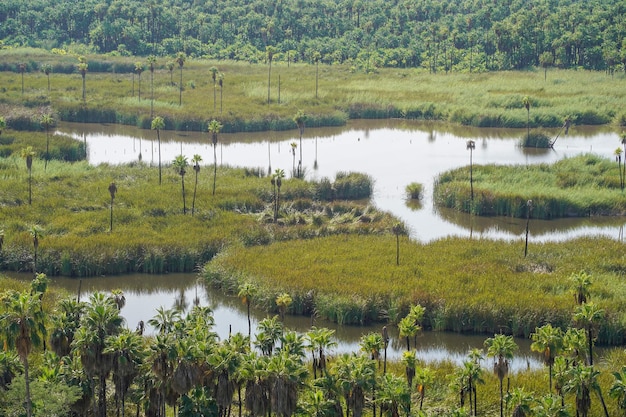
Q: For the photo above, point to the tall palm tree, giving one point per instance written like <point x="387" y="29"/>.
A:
<point x="170" y="68"/>
<point x="128" y="352"/>
<point x="112" y="191"/>
<point x="36" y="232"/>
<point x="471" y="145"/>
<point x="100" y="320"/>
<point x="526" y="103"/>
<point x="180" y="165"/>
<point x="158" y="123"/>
<point x="47" y="121"/>
<point x="529" y="209"/>
<point x="214" y="71"/>
<point x="409" y="360"/>
<point x="398" y="229"/>
<point x="618" y="158"/>
<point x="582" y="283"/>
<point x="300" y="120"/>
<point x="269" y="53"/>
<point x="268" y="333"/>
<point x="214" y="128"/>
<point x="164" y="320"/>
<point x="151" y="66"/>
<point x="65" y="323"/>
<point x="356" y="375"/>
<point x="220" y="81"/>
<point x="316" y="58"/>
<point x="320" y="341"/>
<point x="47" y="69"/>
<point x="408" y="329"/>
<point x="288" y="376"/>
<point x="548" y="341"/>
<point x="588" y="316"/>
<point x="28" y="154"/>
<point x="83" y="67"/>
<point x="583" y="380"/>
<point x="180" y="60"/>
<point x="196" y="169"/>
<point x="23" y="328"/>
<point x="501" y="348"/>
<point x="138" y="70"/>
<point x="293" y="145"/>
<point x="371" y="344"/>
<point x="246" y="292"/>
<point x="277" y="182"/>
<point x="473" y="373"/>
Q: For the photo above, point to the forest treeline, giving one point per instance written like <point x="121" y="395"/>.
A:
<point x="438" y="35"/>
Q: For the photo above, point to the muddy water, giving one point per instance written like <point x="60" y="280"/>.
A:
<point x="393" y="152"/>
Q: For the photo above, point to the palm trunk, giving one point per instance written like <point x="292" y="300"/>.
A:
<point x="102" y="405"/>
<point x="180" y="88"/>
<point x="27" y="400"/>
<point x="501" y="400"/>
<point x="193" y="202"/>
<point x="182" y="180"/>
<point x="214" y="167"/>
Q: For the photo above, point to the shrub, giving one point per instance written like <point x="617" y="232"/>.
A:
<point x="414" y="191"/>
<point x="535" y="140"/>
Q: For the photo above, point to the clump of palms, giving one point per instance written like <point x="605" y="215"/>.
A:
<point x="180" y="165"/>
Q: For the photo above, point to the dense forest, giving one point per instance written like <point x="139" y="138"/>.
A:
<point x="437" y="35"/>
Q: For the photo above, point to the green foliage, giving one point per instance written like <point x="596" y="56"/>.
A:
<point x="50" y="398"/>
<point x="535" y="140"/>
<point x="579" y="186"/>
<point x="464" y="285"/>
<point x="414" y="191"/>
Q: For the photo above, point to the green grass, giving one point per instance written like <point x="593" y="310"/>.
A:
<point x="466" y="285"/>
<point x="573" y="187"/>
<point x="71" y="202"/>
<point x="484" y="100"/>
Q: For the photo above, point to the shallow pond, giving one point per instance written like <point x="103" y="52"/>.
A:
<point x="394" y="153"/>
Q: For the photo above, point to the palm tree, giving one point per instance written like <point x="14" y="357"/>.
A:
<point x="618" y="389"/>
<point x="64" y="326"/>
<point x="371" y="344"/>
<point x="112" y="191"/>
<point x="47" y="69"/>
<point x="409" y="360"/>
<point x="180" y="165"/>
<point x="394" y="396"/>
<point x="548" y="341"/>
<point x="471" y="145"/>
<point x="36" y="233"/>
<point x="28" y="154"/>
<point x="529" y="209"/>
<point x="356" y="375"/>
<point x="277" y="182"/>
<point x="269" y="53"/>
<point x="224" y="362"/>
<point x="526" y="103"/>
<point x="246" y="292"/>
<point x="164" y="320"/>
<point x="473" y="373"/>
<point x="300" y="120"/>
<point x="100" y="320"/>
<point x="220" y="81"/>
<point x="501" y="348"/>
<point x="128" y="353"/>
<point x="170" y="68"/>
<point x="385" y="336"/>
<point x="287" y="375"/>
<point x="23" y="327"/>
<point x="618" y="158"/>
<point x="550" y="406"/>
<point x="293" y="145"/>
<point x="158" y="123"/>
<point x="520" y="401"/>
<point x="316" y="58"/>
<point x="214" y="128"/>
<point x="582" y="381"/>
<point x="283" y="301"/>
<point x="83" y="67"/>
<point x="588" y="316"/>
<point x="582" y="282"/>
<point x="423" y="378"/>
<point x="398" y="229"/>
<point x="268" y="333"/>
<point x="196" y="168"/>
<point x="47" y="121"/>
<point x="320" y="341"/>
<point x="408" y="329"/>
<point x="214" y="71"/>
<point x="139" y="69"/>
<point x="151" y="66"/>
<point x="180" y="60"/>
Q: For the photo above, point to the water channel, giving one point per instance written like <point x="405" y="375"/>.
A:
<point x="394" y="153"/>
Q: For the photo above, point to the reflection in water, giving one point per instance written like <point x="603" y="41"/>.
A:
<point x="145" y="293"/>
<point x="393" y="152"/>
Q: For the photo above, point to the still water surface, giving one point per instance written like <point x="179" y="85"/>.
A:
<point x="394" y="153"/>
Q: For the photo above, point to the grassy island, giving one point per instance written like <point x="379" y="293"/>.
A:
<point x="586" y="185"/>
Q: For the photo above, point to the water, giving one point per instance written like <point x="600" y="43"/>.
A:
<point x="145" y="293"/>
<point x="394" y="153"/>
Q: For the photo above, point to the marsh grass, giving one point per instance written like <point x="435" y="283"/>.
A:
<point x="479" y="286"/>
<point x="573" y="187"/>
<point x="150" y="234"/>
<point x="485" y="100"/>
